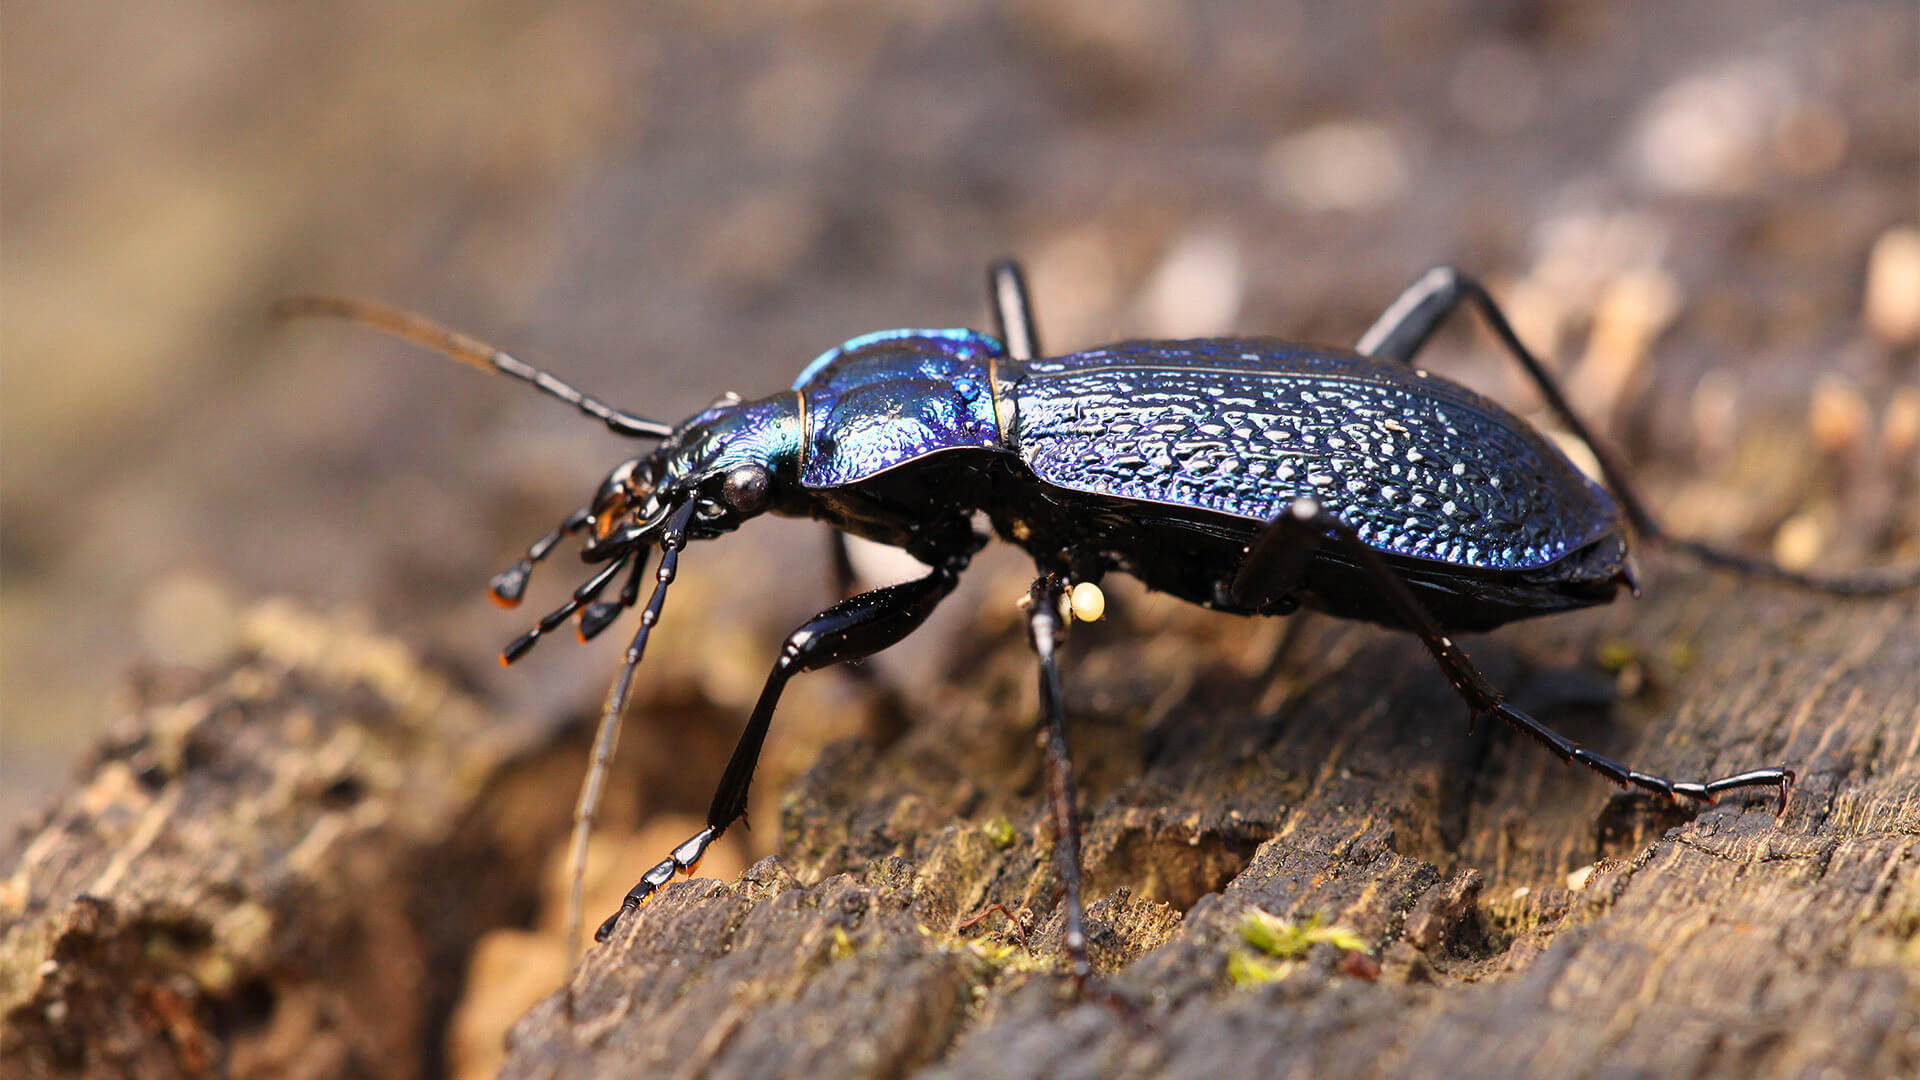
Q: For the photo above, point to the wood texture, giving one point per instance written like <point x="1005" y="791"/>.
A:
<point x="274" y="869"/>
<point x="1526" y="922"/>
<point x="279" y="868"/>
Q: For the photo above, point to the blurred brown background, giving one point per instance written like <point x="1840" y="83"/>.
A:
<point x="1707" y="207"/>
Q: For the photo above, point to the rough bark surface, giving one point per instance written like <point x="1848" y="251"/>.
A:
<point x="280" y="867"/>
<point x="274" y="869"/>
<point x="1525" y="922"/>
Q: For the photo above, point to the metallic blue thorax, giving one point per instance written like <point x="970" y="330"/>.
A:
<point x="887" y="398"/>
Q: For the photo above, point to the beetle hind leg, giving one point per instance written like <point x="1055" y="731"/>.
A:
<point x="1306" y="525"/>
<point x="1404" y="328"/>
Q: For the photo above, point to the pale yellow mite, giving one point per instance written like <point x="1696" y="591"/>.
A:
<point x="1088" y="602"/>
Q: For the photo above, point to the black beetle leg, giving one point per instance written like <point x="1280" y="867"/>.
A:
<point x="1401" y="331"/>
<point x="1265" y="582"/>
<point x="1012" y="313"/>
<point x="1312" y="524"/>
<point x="509" y="585"/>
<point x="850" y="630"/>
<point x="888" y="719"/>
<point x="1013" y="318"/>
<point x="1045" y="627"/>
<point x="583" y="596"/>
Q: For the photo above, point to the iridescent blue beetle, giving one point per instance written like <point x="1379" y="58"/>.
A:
<point x="1249" y="475"/>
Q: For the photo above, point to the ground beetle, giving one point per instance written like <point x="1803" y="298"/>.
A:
<point x="1248" y="475"/>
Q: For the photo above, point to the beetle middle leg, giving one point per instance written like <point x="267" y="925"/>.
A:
<point x="1046" y="626"/>
<point x="850" y="630"/>
<point x="1305" y="526"/>
<point x="1404" y="328"/>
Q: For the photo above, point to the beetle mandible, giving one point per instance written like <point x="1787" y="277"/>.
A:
<point x="1248" y="475"/>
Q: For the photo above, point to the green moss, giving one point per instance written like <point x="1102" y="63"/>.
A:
<point x="998" y="957"/>
<point x="999" y="831"/>
<point x="1682" y="655"/>
<point x="1245" y="970"/>
<point x="1617" y="654"/>
<point x="1278" y="945"/>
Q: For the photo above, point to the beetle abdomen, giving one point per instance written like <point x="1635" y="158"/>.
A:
<point x="1417" y="465"/>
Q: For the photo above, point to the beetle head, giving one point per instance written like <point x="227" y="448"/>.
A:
<point x="733" y="461"/>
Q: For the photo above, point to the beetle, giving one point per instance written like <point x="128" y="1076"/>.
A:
<point x="1248" y="475"/>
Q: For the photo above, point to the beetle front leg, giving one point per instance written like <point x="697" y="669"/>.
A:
<point x="1045" y="628"/>
<point x="853" y="629"/>
<point x="1403" y="329"/>
<point x="1306" y="525"/>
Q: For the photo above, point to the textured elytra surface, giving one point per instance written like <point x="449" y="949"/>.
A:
<point x="1419" y="466"/>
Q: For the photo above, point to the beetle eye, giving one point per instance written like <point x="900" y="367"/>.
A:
<point x="746" y="489"/>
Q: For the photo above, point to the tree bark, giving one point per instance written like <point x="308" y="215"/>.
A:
<point x="1525" y="922"/>
<point x="275" y="869"/>
<point x="281" y="866"/>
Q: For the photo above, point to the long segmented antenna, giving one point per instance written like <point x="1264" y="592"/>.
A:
<point x="429" y="334"/>
<point x="605" y="740"/>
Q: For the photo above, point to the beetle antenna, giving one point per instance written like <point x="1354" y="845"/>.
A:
<point x="429" y="334"/>
<point x="672" y="539"/>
